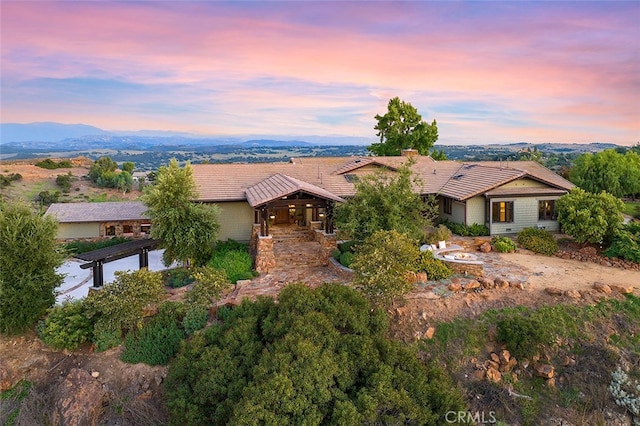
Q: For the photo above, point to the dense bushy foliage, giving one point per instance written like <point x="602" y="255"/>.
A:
<point x="158" y="341"/>
<point x="120" y="305"/>
<point x="523" y="335"/>
<point x="29" y="256"/>
<point x="209" y="284"/>
<point x="608" y="170"/>
<point x="385" y="201"/>
<point x="317" y="357"/>
<point x="104" y="173"/>
<point x="49" y="164"/>
<point x="503" y="244"/>
<point x="66" y="326"/>
<point x="439" y="233"/>
<point x="473" y="230"/>
<point x="626" y="243"/>
<point x="187" y="230"/>
<point x="346" y="258"/>
<point x="77" y="247"/>
<point x="177" y="277"/>
<point x="589" y="218"/>
<point x="382" y="265"/>
<point x="435" y="268"/>
<point x="538" y="241"/>
<point x="64" y="182"/>
<point x="6" y="180"/>
<point x="47" y="197"/>
<point x="234" y="259"/>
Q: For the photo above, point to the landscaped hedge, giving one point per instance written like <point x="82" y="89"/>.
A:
<point x="538" y="240"/>
<point x="626" y="243"/>
<point x="435" y="268"/>
<point x="503" y="244"/>
<point x="473" y="230"/>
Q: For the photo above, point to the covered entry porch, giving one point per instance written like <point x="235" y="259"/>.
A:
<point x="281" y="201"/>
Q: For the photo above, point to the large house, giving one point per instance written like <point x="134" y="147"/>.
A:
<point x="505" y="196"/>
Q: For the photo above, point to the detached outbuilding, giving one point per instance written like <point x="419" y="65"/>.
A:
<point x="100" y="220"/>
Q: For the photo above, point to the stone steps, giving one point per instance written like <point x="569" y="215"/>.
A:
<point x="289" y="234"/>
<point x="291" y="254"/>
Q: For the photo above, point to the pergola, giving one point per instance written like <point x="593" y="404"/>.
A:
<point x="280" y="192"/>
<point x="97" y="258"/>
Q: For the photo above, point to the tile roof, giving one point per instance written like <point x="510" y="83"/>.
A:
<point x="461" y="181"/>
<point x="97" y="212"/>
<point x="278" y="186"/>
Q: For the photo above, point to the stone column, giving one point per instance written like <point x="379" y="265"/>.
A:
<point x="328" y="243"/>
<point x="265" y="259"/>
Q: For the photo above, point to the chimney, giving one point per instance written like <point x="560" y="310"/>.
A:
<point x="409" y="152"/>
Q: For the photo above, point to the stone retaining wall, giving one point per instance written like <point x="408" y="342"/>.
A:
<point x="340" y="270"/>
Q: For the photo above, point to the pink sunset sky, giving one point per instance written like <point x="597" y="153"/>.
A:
<point x="488" y="72"/>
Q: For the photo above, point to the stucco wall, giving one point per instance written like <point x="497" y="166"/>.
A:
<point x="78" y="230"/>
<point x="457" y="211"/>
<point x="236" y="221"/>
<point x="524" y="183"/>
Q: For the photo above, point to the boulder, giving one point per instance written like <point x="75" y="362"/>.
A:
<point x="455" y="287"/>
<point x="553" y="291"/>
<point x="485" y="247"/>
<point x="602" y="287"/>
<point x="78" y="399"/>
<point x="471" y="285"/>
<point x="622" y="290"/>
<point x="518" y="285"/>
<point x="572" y="294"/>
<point x="486" y="282"/>
<point x="494" y="357"/>
<point x="504" y="356"/>
<point x="493" y="375"/>
<point x="501" y="282"/>
<point x="588" y="251"/>
<point x="545" y="371"/>
<point x="429" y="333"/>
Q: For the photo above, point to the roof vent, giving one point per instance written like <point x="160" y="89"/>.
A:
<point x="434" y="171"/>
<point x="458" y="176"/>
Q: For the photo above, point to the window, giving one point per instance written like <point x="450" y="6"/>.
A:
<point x="110" y="230"/>
<point x="448" y="205"/>
<point x="502" y="211"/>
<point x="546" y="210"/>
<point x="145" y="228"/>
<point x="127" y="229"/>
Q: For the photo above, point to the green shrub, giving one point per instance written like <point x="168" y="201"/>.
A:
<point x="66" y="326"/>
<point x="522" y="334"/>
<point x="347" y="246"/>
<point x="503" y="244"/>
<point x="6" y="180"/>
<point x="155" y="344"/>
<point x="236" y="263"/>
<point x="346" y="259"/>
<point x="439" y="233"/>
<point x="49" y="164"/>
<point x="435" y="268"/>
<point x="195" y="319"/>
<point x="177" y="277"/>
<point x="625" y="245"/>
<point x="120" y="305"/>
<point x="78" y="247"/>
<point x="473" y="230"/>
<point x="538" y="241"/>
<point x="336" y="254"/>
<point x="209" y="284"/>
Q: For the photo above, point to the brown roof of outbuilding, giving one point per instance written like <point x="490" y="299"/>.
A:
<point x="97" y="212"/>
<point x="279" y="185"/>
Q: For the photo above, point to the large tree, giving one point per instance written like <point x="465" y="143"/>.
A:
<point x="588" y="217"/>
<point x="401" y="128"/>
<point x="608" y="170"/>
<point x="317" y="356"/>
<point x="188" y="230"/>
<point x="386" y="200"/>
<point x="29" y="256"/>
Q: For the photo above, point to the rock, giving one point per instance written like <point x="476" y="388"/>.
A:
<point x="602" y="287"/>
<point x="501" y="282"/>
<point x="78" y="399"/>
<point x="478" y="374"/>
<point x="544" y="370"/>
<point x="573" y="294"/>
<point x="551" y="382"/>
<point x="491" y="364"/>
<point x="495" y="358"/>
<point x="504" y="356"/>
<point x="486" y="282"/>
<point x="518" y="285"/>
<point x="553" y="291"/>
<point x="622" y="290"/>
<point x="95" y="374"/>
<point x="421" y="277"/>
<point x="588" y="251"/>
<point x="455" y="287"/>
<point x="485" y="247"/>
<point x="242" y="283"/>
<point x="509" y="365"/>
<point x="9" y="376"/>
<point x="473" y="284"/>
<point x="429" y="333"/>
<point x="493" y="375"/>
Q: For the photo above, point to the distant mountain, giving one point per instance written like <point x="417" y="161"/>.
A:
<point x="45" y="132"/>
<point x="270" y="143"/>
